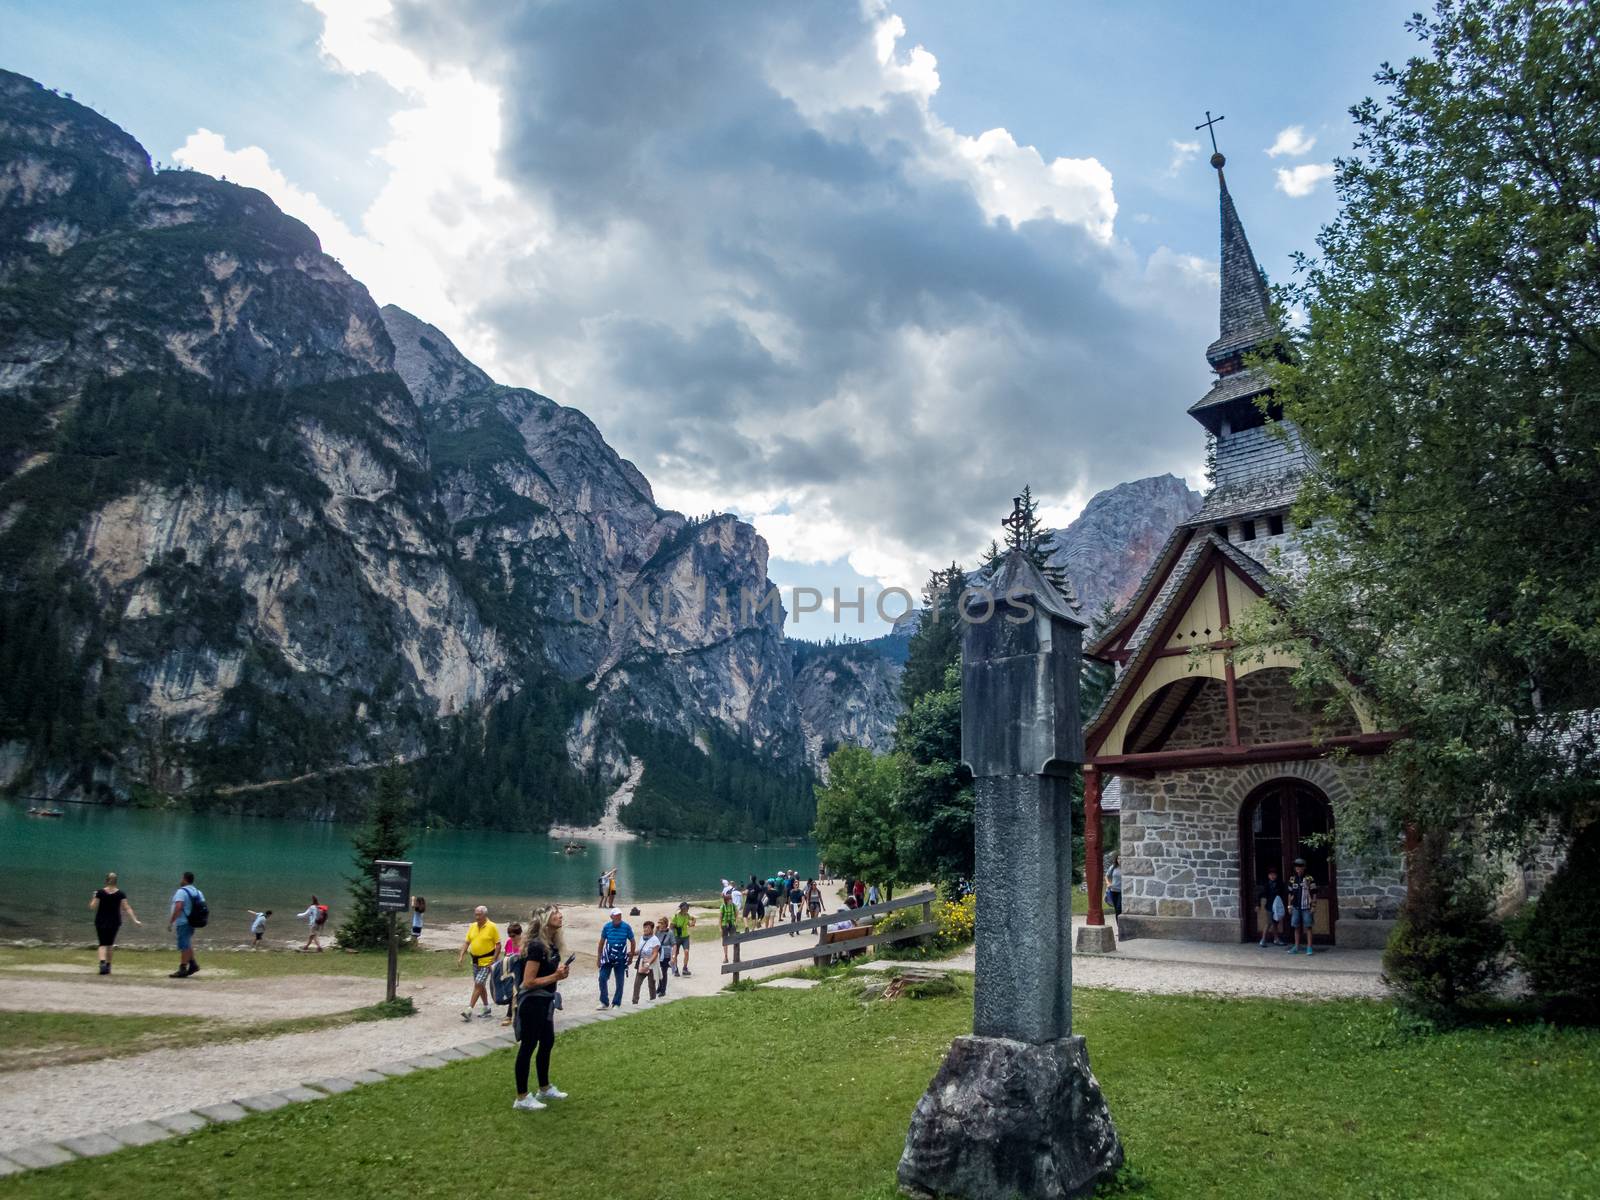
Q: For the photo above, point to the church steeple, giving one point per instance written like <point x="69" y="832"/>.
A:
<point x="1246" y="326"/>
<point x="1246" y="312"/>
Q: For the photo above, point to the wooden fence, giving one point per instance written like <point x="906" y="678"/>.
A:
<point x="823" y="948"/>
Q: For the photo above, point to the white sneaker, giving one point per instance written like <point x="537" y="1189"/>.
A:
<point x="528" y="1103"/>
<point x="551" y="1093"/>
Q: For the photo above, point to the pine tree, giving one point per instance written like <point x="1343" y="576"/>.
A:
<point x="1025" y="532"/>
<point x="386" y="835"/>
<point x="936" y="645"/>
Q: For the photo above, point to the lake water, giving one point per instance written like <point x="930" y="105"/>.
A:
<point x="50" y="867"/>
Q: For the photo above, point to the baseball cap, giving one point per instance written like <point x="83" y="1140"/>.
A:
<point x="616" y="912"/>
<point x="1299" y="862"/>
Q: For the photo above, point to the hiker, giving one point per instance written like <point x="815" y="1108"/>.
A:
<point x="613" y="952"/>
<point x="645" y="959"/>
<point x="729" y="916"/>
<point x="315" y="917"/>
<point x="797" y="904"/>
<point x="418" y="906"/>
<point x="258" y="927"/>
<point x="189" y="912"/>
<point x="108" y="904"/>
<point x="611" y="887"/>
<point x="509" y="969"/>
<point x="1302" y="904"/>
<point x="813" y="899"/>
<point x="1270" y="894"/>
<point x="483" y="944"/>
<point x="872" y="893"/>
<point x="1114" y="892"/>
<point x="537" y="999"/>
<point x="669" y="947"/>
<point x="682" y="922"/>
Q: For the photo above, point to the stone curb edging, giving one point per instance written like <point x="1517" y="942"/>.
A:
<point x="41" y="1155"/>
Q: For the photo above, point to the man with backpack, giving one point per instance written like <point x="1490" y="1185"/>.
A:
<point x="315" y="917"/>
<point x="189" y="912"/>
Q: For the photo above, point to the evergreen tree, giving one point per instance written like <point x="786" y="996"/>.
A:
<point x="936" y="645"/>
<point x="386" y="835"/>
<point x="935" y="803"/>
<point x="1025" y="532"/>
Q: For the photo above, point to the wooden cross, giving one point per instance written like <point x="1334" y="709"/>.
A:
<point x="1209" y="126"/>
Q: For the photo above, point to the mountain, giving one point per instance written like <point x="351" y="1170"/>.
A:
<point x="1106" y="550"/>
<point x="257" y="536"/>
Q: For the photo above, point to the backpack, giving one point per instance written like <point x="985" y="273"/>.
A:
<point x="199" y="910"/>
<point x="507" y="978"/>
<point x="322" y="915"/>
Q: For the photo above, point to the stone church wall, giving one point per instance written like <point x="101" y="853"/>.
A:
<point x="1180" y="854"/>
<point x="1269" y="711"/>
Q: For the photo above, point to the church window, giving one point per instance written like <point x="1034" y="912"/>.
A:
<point x="1247" y="531"/>
<point x="1275" y="525"/>
<point x="1221" y="531"/>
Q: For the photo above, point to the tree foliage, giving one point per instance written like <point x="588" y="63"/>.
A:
<point x="1558" y="946"/>
<point x="936" y="645"/>
<point x="1445" y="948"/>
<point x="1448" y="383"/>
<point x="385" y="835"/>
<point x="856" y="831"/>
<point x="935" y="804"/>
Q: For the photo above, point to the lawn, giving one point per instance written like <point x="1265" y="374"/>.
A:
<point x="33" y="1039"/>
<point x="249" y="964"/>
<point x="810" y="1092"/>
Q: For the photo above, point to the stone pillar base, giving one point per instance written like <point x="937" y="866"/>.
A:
<point x="1004" y="1118"/>
<point x="1096" y="939"/>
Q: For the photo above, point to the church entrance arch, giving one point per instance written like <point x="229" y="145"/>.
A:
<point x="1280" y="821"/>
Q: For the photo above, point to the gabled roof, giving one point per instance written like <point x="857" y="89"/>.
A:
<point x="1244" y="384"/>
<point x="1245" y="498"/>
<point x="1196" y="559"/>
<point x="1016" y="576"/>
<point x="1160" y="565"/>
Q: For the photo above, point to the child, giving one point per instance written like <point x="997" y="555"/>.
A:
<point x="418" y="907"/>
<point x="258" y="926"/>
<point x="513" y="949"/>
<point x="729" y="916"/>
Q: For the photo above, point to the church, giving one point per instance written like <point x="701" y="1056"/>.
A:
<point x="1218" y="768"/>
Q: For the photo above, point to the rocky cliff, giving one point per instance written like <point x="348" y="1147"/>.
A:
<point x="1107" y="549"/>
<point x="252" y="529"/>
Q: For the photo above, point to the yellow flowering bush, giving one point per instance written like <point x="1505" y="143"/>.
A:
<point x="955" y="924"/>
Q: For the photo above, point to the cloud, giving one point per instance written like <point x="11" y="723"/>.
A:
<point x="1183" y="153"/>
<point x="1304" y="179"/>
<point x="1292" y="141"/>
<point x="744" y="241"/>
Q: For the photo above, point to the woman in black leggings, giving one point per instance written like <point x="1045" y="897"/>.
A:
<point x="542" y="970"/>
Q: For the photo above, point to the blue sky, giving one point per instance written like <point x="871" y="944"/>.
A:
<point x="775" y="251"/>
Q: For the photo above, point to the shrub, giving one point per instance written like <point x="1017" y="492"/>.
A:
<point x="1558" y="945"/>
<point x="956" y="920"/>
<point x="1445" y="949"/>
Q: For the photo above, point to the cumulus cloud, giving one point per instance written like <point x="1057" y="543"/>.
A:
<point x="1292" y="142"/>
<point x="1304" y="179"/>
<point x="744" y="241"/>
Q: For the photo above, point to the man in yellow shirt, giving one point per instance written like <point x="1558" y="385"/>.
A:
<point x="483" y="944"/>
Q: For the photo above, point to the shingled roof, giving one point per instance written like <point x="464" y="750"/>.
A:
<point x="1246" y="310"/>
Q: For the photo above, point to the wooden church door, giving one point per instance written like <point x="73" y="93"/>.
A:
<point x="1275" y="827"/>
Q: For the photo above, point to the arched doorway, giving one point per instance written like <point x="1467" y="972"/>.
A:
<point x="1280" y="821"/>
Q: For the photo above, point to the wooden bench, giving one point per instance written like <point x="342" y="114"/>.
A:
<point x="834" y="937"/>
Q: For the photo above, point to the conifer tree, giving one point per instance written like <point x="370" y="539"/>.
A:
<point x="386" y="835"/>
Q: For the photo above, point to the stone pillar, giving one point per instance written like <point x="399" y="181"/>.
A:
<point x="1015" y="1109"/>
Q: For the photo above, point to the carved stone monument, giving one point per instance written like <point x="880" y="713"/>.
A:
<point x="1015" y="1109"/>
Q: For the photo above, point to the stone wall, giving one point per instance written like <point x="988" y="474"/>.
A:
<point x="1180" y="842"/>
<point x="1270" y="710"/>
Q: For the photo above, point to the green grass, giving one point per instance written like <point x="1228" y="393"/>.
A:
<point x="1212" y="1098"/>
<point x="33" y="1039"/>
<point x="247" y="964"/>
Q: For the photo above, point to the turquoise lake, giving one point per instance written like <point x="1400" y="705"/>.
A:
<point x="50" y="867"/>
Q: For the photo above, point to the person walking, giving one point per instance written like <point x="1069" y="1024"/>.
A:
<point x="1114" y="892"/>
<point x="669" y="949"/>
<point x="813" y="899"/>
<point x="797" y="904"/>
<point x="483" y="944"/>
<point x="645" y="959"/>
<point x="188" y="905"/>
<point x="258" y="926"/>
<point x="1271" y="896"/>
<point x="1302" y="904"/>
<point x="419" y="906"/>
<point x="507" y="970"/>
<point x="613" y="952"/>
<point x="872" y="893"/>
<point x="611" y="887"/>
<point x="315" y="916"/>
<point x="860" y="893"/>
<point x="537" y="1001"/>
<point x="108" y="904"/>
<point x="600" y="891"/>
<point x="682" y="922"/>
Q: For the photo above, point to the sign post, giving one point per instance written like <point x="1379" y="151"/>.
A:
<point x="394" y="896"/>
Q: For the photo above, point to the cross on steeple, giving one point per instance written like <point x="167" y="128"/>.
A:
<point x="1209" y="125"/>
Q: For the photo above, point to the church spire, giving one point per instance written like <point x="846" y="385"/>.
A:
<point x="1246" y="311"/>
